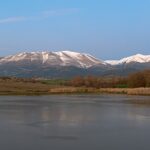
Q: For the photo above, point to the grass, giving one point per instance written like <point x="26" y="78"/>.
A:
<point x="29" y="87"/>
<point x="54" y="82"/>
<point x="22" y="87"/>
<point x="129" y="91"/>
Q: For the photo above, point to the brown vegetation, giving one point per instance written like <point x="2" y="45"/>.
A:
<point x="137" y="84"/>
<point x="74" y="90"/>
<point x="140" y="79"/>
<point x="99" y="82"/>
<point x="129" y="91"/>
<point x="21" y="86"/>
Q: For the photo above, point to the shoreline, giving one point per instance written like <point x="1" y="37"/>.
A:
<point x="84" y="90"/>
<point x="77" y="90"/>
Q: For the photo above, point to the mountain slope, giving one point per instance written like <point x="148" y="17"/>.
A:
<point x="63" y="58"/>
<point x="138" y="58"/>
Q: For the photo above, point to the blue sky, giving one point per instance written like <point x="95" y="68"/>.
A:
<point x="107" y="29"/>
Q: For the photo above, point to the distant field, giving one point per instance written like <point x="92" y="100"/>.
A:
<point x="16" y="86"/>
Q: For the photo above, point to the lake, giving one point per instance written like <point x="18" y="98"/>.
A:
<point x="75" y="122"/>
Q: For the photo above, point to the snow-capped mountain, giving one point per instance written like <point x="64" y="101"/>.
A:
<point x="64" y="64"/>
<point x="138" y="58"/>
<point x="62" y="58"/>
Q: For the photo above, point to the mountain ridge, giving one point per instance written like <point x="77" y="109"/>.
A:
<point x="68" y="64"/>
<point x="140" y="58"/>
<point x="61" y="58"/>
<point x="134" y="58"/>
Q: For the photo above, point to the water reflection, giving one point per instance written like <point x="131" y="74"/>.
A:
<point x="74" y="122"/>
<point x="75" y="111"/>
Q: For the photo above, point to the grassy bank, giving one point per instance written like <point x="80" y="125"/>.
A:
<point x="129" y="91"/>
<point x="32" y="87"/>
<point x="18" y="87"/>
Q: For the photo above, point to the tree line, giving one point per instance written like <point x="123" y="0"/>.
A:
<point x="138" y="79"/>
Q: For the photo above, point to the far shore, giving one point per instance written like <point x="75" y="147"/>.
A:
<point x="17" y="86"/>
<point x="74" y="90"/>
<point x="128" y="91"/>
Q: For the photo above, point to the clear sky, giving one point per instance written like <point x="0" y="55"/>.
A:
<point x="107" y="29"/>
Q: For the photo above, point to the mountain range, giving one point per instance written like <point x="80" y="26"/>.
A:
<point x="64" y="64"/>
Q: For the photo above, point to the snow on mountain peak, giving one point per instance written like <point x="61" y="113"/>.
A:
<point x="61" y="58"/>
<point x="139" y="58"/>
<point x="69" y="58"/>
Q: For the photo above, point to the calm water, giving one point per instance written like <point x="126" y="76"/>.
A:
<point x="91" y="122"/>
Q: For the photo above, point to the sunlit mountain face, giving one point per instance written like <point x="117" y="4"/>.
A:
<point x="62" y="58"/>
<point x="138" y="58"/>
